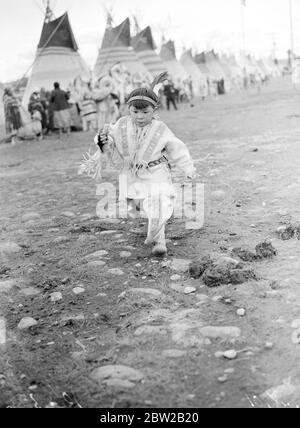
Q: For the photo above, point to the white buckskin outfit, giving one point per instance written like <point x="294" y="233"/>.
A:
<point x="145" y="153"/>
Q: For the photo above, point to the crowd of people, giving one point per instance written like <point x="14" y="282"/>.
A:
<point x="88" y="106"/>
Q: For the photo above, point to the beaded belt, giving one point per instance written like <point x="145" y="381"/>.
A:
<point x="154" y="163"/>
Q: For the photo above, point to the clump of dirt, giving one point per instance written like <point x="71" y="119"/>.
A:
<point x="217" y="275"/>
<point x="48" y="284"/>
<point x="245" y="255"/>
<point x="222" y="271"/>
<point x="197" y="269"/>
<point x="288" y="232"/>
<point x="264" y="250"/>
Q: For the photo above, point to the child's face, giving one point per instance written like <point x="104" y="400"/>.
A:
<point x="142" y="117"/>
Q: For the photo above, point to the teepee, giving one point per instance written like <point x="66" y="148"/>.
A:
<point x="200" y="61"/>
<point x="2" y="117"/>
<point x="213" y="64"/>
<point x="144" y="46"/>
<point x="168" y="55"/>
<point x="57" y="57"/>
<point x="116" y="48"/>
<point x="193" y="71"/>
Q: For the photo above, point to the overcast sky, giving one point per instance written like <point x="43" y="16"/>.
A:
<point x="201" y="24"/>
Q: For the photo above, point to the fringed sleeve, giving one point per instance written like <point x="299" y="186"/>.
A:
<point x="178" y="154"/>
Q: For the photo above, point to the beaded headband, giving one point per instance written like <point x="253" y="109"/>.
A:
<point x="142" y="98"/>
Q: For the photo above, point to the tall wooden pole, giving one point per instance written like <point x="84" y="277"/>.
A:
<point x="291" y="26"/>
<point x="243" y="6"/>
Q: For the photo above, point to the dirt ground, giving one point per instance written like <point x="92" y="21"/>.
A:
<point x="250" y="143"/>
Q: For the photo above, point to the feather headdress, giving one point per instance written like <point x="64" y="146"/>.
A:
<point x="150" y="93"/>
<point x="158" y="81"/>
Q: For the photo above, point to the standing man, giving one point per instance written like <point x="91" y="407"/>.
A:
<point x="62" y="116"/>
<point x="169" y="92"/>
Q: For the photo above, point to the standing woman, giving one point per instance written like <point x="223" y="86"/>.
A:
<point x="62" y="116"/>
<point x="13" y="121"/>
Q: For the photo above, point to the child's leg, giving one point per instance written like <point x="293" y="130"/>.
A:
<point x="159" y="209"/>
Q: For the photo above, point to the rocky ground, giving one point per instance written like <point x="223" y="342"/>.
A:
<point x="89" y="319"/>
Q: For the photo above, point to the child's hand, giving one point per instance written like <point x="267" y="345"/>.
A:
<point x="101" y="138"/>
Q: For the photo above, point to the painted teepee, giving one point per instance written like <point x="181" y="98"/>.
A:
<point x="57" y="58"/>
<point x="116" y="48"/>
<point x="175" y="69"/>
<point x="144" y="46"/>
<point x="193" y="71"/>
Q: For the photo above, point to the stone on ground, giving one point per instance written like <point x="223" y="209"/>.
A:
<point x="26" y="323"/>
<point x="6" y="286"/>
<point x="7" y="248"/>
<point x="56" y="297"/>
<point x="180" y="265"/>
<point x="68" y="214"/>
<point x="30" y="291"/>
<point x="96" y="264"/>
<point x="190" y="290"/>
<point x="96" y="255"/>
<point x="230" y="355"/>
<point x="60" y="240"/>
<point x="78" y="290"/>
<point x="117" y="375"/>
<point x="221" y="332"/>
<point x="174" y="353"/>
<point x="125" y="254"/>
<point x="108" y="232"/>
<point x="30" y="216"/>
<point x="116" y="271"/>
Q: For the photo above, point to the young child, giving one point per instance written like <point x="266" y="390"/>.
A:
<point x="146" y="145"/>
<point x="37" y="124"/>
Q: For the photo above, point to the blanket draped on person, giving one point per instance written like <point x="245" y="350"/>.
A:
<point x="13" y="121"/>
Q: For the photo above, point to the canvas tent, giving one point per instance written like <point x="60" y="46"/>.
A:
<point x="213" y="64"/>
<point x="198" y="78"/>
<point x="175" y="69"/>
<point x="57" y="58"/>
<point x="144" y="47"/>
<point x="200" y="61"/>
<point x="116" y="48"/>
